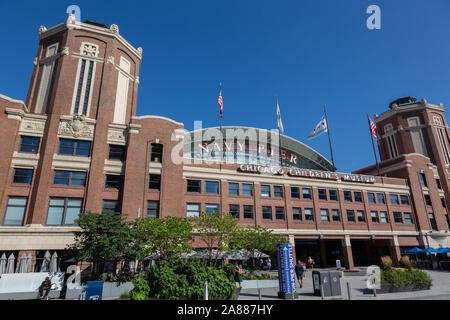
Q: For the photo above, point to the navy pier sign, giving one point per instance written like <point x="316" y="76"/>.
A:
<point x="286" y="274"/>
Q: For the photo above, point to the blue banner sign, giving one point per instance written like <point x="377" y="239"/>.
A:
<point x="286" y="274"/>
<point x="94" y="290"/>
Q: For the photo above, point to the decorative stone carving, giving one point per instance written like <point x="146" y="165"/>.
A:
<point x="114" y="28"/>
<point x="77" y="127"/>
<point x="88" y="49"/>
<point x="110" y="60"/>
<point x="32" y="126"/>
<point x="42" y="29"/>
<point x="71" y="19"/>
<point x="65" y="51"/>
<point x="35" y="62"/>
<point x="140" y="51"/>
<point x="117" y="135"/>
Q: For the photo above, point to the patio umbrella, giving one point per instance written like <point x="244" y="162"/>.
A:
<point x="54" y="263"/>
<point x="46" y="262"/>
<point x="21" y="267"/>
<point x="3" y="261"/>
<point x="414" y="250"/>
<point x="28" y="267"/>
<point x="10" y="265"/>
<point x="430" y="250"/>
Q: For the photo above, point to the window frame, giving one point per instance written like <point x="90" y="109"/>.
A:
<point x="31" y="145"/>
<point x="30" y="177"/>
<point x="192" y="186"/>
<point x="113" y="188"/>
<point x="15" y="206"/>
<point x="157" y="209"/>
<point x="74" y="147"/>
<point x="70" y="178"/>
<point x="64" y="213"/>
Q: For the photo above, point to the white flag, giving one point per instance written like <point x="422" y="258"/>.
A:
<point x="320" y="129"/>
<point x="280" y="123"/>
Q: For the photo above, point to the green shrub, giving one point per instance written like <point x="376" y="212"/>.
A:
<point x="141" y="289"/>
<point x="386" y="262"/>
<point x="175" y="278"/>
<point x="406" y="263"/>
<point x="405" y="277"/>
<point x="119" y="277"/>
<point x="124" y="295"/>
<point x="259" y="276"/>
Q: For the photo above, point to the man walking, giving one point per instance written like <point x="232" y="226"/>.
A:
<point x="299" y="270"/>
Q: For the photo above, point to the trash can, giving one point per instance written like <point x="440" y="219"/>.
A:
<point x="335" y="283"/>
<point x="321" y="278"/>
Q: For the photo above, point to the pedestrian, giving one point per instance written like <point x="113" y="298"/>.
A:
<point x="269" y="264"/>
<point x="238" y="275"/>
<point x="46" y="285"/>
<point x="311" y="262"/>
<point x="299" y="270"/>
<point x="261" y="264"/>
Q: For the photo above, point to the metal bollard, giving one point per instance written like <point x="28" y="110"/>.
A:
<point x="205" y="291"/>
<point x="374" y="289"/>
<point x="260" y="294"/>
<point x="348" y="291"/>
<point x="321" y="291"/>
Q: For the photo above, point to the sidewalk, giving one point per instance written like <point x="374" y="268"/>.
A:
<point x="440" y="290"/>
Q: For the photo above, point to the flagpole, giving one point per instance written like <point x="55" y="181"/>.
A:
<point x="279" y="134"/>
<point x="373" y="145"/>
<point x="329" y="136"/>
<point x="220" y="112"/>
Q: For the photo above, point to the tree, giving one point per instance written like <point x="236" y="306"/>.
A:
<point x="216" y="231"/>
<point x="167" y="236"/>
<point x="105" y="237"/>
<point x="256" y="238"/>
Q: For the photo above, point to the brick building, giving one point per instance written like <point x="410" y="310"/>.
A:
<point x="76" y="145"/>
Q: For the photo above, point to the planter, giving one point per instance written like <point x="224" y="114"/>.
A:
<point x="389" y="288"/>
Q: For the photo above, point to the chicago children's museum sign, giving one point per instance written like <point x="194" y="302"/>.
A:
<point x="305" y="173"/>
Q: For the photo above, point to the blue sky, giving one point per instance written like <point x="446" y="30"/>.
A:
<point x="309" y="53"/>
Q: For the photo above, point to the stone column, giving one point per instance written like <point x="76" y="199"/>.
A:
<point x="323" y="253"/>
<point x="347" y="252"/>
<point x="292" y="241"/>
<point x="394" y="250"/>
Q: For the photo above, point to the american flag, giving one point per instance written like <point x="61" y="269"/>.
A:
<point x="220" y="101"/>
<point x="373" y="129"/>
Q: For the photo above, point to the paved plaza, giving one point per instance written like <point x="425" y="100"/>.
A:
<point x="439" y="291"/>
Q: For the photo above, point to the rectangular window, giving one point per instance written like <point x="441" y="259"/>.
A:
<point x="348" y="196"/>
<point x="194" y="186"/>
<point x="333" y="195"/>
<point x="279" y="213"/>
<point x="84" y="86"/>
<point x="155" y="182"/>
<point x="212" y="187"/>
<point x="309" y="214"/>
<point x="351" y="216"/>
<point x="156" y="153"/>
<point x="153" y="209"/>
<point x="380" y="198"/>
<point x="371" y="197"/>
<point x="112" y="206"/>
<point x="69" y="178"/>
<point x="443" y="142"/>
<point x="374" y="215"/>
<point x="192" y="210"/>
<point x="248" y="212"/>
<point x="63" y="211"/>
<point x="278" y="192"/>
<point x="29" y="144"/>
<point x="15" y="211"/>
<point x="443" y="203"/>
<point x="211" y="208"/>
<point x="423" y="180"/>
<point x="233" y="189"/>
<point x="404" y="200"/>
<point x="267" y="213"/>
<point x="323" y="194"/>
<point x="432" y="221"/>
<point x="297" y="214"/>
<point x="23" y="176"/>
<point x="358" y="196"/>
<point x="448" y="221"/>
<point x="408" y="218"/>
<point x="113" y="182"/>
<point x="438" y="182"/>
<point x="335" y="215"/>
<point x="361" y="216"/>
<point x="76" y="148"/>
<point x="384" y="217"/>
<point x="116" y="152"/>
<point x="247" y="190"/>
<point x="235" y="210"/>
<point x="324" y="216"/>
<point x="394" y="199"/>
<point x="398" y="218"/>
<point x="295" y="192"/>
<point x="46" y="80"/>
<point x="265" y="191"/>
<point x="427" y="199"/>
<point x="306" y="193"/>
